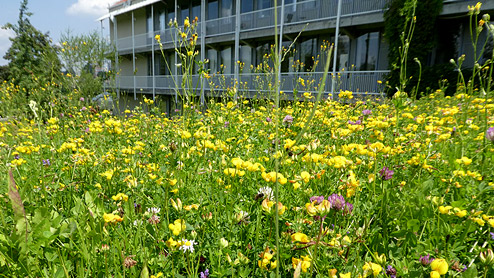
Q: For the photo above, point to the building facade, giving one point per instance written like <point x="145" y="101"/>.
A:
<point x="243" y="30"/>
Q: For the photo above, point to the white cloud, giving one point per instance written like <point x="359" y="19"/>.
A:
<point x="90" y="7"/>
<point x="5" y="43"/>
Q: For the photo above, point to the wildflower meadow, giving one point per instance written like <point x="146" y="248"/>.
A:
<point x="321" y="186"/>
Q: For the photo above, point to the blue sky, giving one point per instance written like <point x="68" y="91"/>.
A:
<point x="54" y="16"/>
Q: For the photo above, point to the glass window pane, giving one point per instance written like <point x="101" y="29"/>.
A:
<point x="308" y="51"/>
<point x="184" y="13"/>
<point x="212" y="9"/>
<point x="196" y="11"/>
<point x="367" y="50"/>
<point x="226" y="8"/>
<point x="213" y="61"/>
<point x="246" y="58"/>
<point x="170" y="17"/>
<point x="226" y="60"/>
<point x="246" y="6"/>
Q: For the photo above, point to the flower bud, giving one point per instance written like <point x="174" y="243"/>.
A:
<point x="223" y="242"/>
<point x="487" y="257"/>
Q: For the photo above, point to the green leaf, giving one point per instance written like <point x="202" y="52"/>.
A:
<point x="51" y="257"/>
<point x="413" y="225"/>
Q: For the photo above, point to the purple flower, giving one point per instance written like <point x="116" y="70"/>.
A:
<point x="81" y="99"/>
<point x="348" y="208"/>
<point x="288" y="119"/>
<point x="386" y="174"/>
<point x="16" y="156"/>
<point x="268" y="119"/>
<point x="492" y="235"/>
<point x="318" y="199"/>
<point x="489" y="135"/>
<point x="337" y="201"/>
<point x="205" y="274"/>
<point x="226" y="124"/>
<point x="358" y="122"/>
<point x="366" y="112"/>
<point x="426" y="260"/>
<point x="391" y="271"/>
<point x="46" y="162"/>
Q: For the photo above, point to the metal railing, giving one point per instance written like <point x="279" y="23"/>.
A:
<point x="146" y="39"/>
<point x="220" y="26"/>
<point x="306" y="11"/>
<point x="356" y="81"/>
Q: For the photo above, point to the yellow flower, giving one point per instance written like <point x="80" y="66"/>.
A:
<point x="171" y="243"/>
<point x="304" y="262"/>
<point x="440" y="266"/>
<point x="159" y="274"/>
<point x="267" y="206"/>
<point x="186" y="23"/>
<point x="435" y="274"/>
<point x="112" y="218"/>
<point x="346" y="275"/>
<point x="157" y="37"/>
<point x="296" y="185"/>
<point x="305" y="176"/>
<point x="373" y="268"/>
<point x="120" y="196"/>
<point x="300" y="237"/>
<point x="177" y="227"/>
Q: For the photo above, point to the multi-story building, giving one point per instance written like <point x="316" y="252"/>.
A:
<point x="243" y="30"/>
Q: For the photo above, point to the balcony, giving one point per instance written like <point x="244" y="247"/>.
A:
<point x="296" y="13"/>
<point x="359" y="82"/>
<point x="144" y="41"/>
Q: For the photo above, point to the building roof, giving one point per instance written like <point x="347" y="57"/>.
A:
<point x="114" y="10"/>
<point x="118" y="3"/>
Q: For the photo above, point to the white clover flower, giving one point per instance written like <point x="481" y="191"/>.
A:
<point x="266" y="191"/>
<point x="154" y="210"/>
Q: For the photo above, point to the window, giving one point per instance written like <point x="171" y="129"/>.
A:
<point x="343" y="52"/>
<point x="308" y="52"/>
<point x="170" y="16"/>
<point x="184" y="13"/>
<point x="212" y="9"/>
<point x="367" y="51"/>
<point x="159" y="17"/>
<point x="261" y="52"/>
<point x="226" y="8"/>
<point x="287" y="63"/>
<point x="226" y="60"/>
<point x="264" y="4"/>
<point x="246" y="6"/>
<point x="213" y="60"/>
<point x="246" y="57"/>
<point x="196" y="10"/>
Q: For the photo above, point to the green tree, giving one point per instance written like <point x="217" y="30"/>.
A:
<point x="84" y="57"/>
<point x="33" y="59"/>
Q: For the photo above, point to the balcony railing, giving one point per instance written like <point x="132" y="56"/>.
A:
<point x="356" y="81"/>
<point x="145" y="40"/>
<point x="300" y="12"/>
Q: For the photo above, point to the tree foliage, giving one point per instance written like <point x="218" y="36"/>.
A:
<point x="32" y="57"/>
<point x="84" y="57"/>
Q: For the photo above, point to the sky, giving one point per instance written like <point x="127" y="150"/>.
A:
<point x="55" y="17"/>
